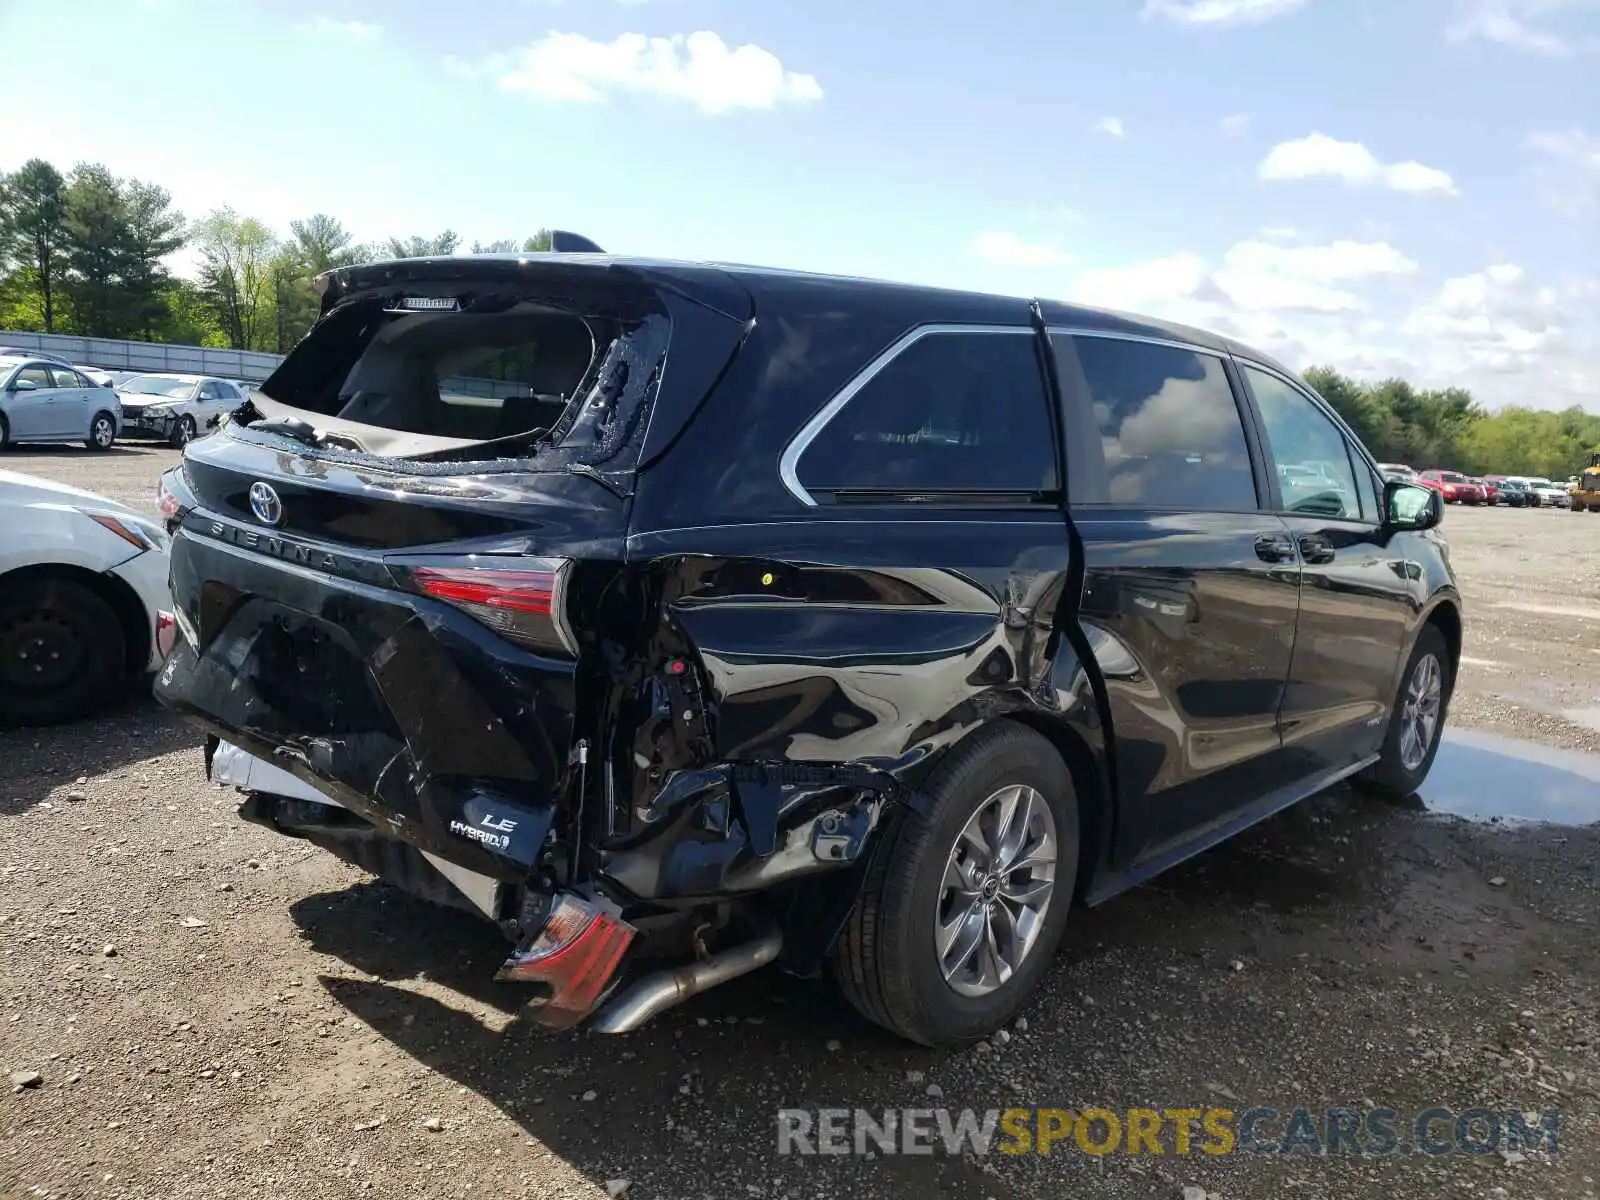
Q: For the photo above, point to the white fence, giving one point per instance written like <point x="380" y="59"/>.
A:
<point x="250" y="365"/>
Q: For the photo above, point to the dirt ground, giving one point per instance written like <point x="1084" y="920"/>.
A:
<point x="214" y="1011"/>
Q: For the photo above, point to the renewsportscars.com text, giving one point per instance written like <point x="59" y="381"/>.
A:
<point x="1335" y="1131"/>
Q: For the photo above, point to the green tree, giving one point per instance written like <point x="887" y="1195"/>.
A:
<point x="423" y="247"/>
<point x="539" y="241"/>
<point x="95" y="239"/>
<point x="321" y="244"/>
<point x="32" y="213"/>
<point x="154" y="231"/>
<point x="236" y="255"/>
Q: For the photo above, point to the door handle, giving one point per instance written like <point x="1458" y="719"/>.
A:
<point x="1274" y="548"/>
<point x="1315" y="548"/>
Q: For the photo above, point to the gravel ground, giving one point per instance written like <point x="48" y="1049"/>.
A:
<point x="194" y="1007"/>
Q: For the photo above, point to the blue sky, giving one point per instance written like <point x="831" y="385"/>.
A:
<point x="1388" y="187"/>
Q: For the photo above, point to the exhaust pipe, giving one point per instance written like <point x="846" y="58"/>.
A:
<point x="662" y="990"/>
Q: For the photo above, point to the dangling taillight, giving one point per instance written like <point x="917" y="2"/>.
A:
<point x="522" y="599"/>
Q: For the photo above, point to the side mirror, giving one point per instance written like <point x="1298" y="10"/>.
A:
<point x="1412" y="507"/>
<point x="24" y="385"/>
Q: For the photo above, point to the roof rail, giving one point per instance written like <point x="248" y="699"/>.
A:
<point x="572" y="243"/>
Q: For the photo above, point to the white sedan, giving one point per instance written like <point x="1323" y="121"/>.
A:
<point x="84" y="606"/>
<point x="175" y="408"/>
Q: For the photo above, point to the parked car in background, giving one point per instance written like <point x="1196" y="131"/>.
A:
<point x="1513" y="492"/>
<point x="84" y="605"/>
<point x="105" y="379"/>
<point x="1551" y="495"/>
<point x="1491" y="493"/>
<point x="175" y="408"/>
<point x="46" y="401"/>
<point x="1455" y="487"/>
<point x="1398" y="471"/>
<point x="851" y="633"/>
<point x="36" y="355"/>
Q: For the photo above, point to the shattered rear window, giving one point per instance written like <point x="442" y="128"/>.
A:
<point x="422" y="382"/>
<point x="463" y="375"/>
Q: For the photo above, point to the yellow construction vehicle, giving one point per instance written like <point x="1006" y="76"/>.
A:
<point x="1586" y="492"/>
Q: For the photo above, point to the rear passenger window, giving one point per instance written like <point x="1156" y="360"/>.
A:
<point x="1170" y="433"/>
<point x="1308" y="450"/>
<point x="66" y="377"/>
<point x="952" y="414"/>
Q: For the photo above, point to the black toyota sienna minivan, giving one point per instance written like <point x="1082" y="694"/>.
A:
<point x="685" y="618"/>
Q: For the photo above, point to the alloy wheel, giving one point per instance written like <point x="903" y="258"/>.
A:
<point x="1419" y="712"/>
<point x="997" y="887"/>
<point x="103" y="434"/>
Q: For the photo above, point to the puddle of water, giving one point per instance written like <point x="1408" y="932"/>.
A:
<point x="1483" y="777"/>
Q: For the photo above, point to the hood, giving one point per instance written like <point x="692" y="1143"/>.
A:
<point x="17" y="488"/>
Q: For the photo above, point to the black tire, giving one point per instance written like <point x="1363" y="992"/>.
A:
<point x="5" y="433"/>
<point x="102" y="432"/>
<point x="1390" y="773"/>
<point x="62" y="651"/>
<point x="886" y="961"/>
<point x="182" y="433"/>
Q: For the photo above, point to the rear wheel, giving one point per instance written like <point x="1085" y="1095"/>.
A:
<point x="61" y="651"/>
<point x="1417" y="721"/>
<point x="965" y="903"/>
<point x="5" y="433"/>
<point x="102" y="432"/>
<point x="183" y="432"/>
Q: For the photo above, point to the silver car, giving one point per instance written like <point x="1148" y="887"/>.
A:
<point x="45" y="401"/>
<point x="175" y="408"/>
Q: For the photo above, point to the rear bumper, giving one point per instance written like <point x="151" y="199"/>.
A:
<point x="400" y="709"/>
<point x="233" y="767"/>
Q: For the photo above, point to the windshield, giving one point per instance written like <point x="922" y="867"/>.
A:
<point x="1539" y="481"/>
<point x="1452" y="477"/>
<point x="159" y="385"/>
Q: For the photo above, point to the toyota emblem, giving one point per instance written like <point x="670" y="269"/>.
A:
<point x="265" y="504"/>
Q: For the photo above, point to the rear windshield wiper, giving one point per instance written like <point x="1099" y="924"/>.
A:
<point x="290" y="427"/>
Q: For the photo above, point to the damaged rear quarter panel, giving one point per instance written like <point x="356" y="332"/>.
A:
<point x="831" y="646"/>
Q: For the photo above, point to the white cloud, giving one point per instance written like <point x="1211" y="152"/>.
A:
<point x="1009" y="250"/>
<point x="1352" y="305"/>
<point x="1111" y="125"/>
<point x="355" y="31"/>
<point x="1352" y="162"/>
<point x="1219" y="12"/>
<point x="1575" y="146"/>
<point x="1570" y="169"/>
<point x="1532" y="25"/>
<point x="698" y="68"/>
<point x="1494" y="320"/>
<point x="1234" y="124"/>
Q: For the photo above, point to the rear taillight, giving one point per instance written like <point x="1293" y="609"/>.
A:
<point x="573" y="955"/>
<point x="169" y="503"/>
<point x="523" y="604"/>
<point x="166" y="633"/>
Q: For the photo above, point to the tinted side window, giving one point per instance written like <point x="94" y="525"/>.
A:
<point x="951" y="413"/>
<point x="1307" y="449"/>
<point x="1170" y="432"/>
